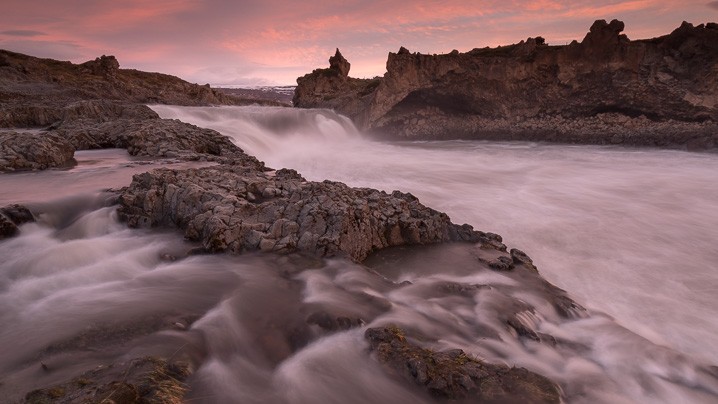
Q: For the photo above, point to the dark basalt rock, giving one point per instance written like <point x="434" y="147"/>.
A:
<point x="338" y="63"/>
<point x="11" y="217"/>
<point x="456" y="376"/>
<point x="141" y="380"/>
<point x="240" y="207"/>
<point x="606" y="89"/>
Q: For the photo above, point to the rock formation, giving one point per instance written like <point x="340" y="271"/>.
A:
<point x="34" y="151"/>
<point x="605" y="89"/>
<point x="243" y="207"/>
<point x="455" y="375"/>
<point x="34" y="92"/>
<point x="11" y="217"/>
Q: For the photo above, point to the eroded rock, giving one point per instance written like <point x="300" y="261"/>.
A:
<point x="141" y="380"/>
<point x="34" y="151"/>
<point x="455" y="375"/>
<point x="241" y="208"/>
<point x="606" y="89"/>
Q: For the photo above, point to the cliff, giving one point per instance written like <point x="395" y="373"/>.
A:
<point x="604" y="89"/>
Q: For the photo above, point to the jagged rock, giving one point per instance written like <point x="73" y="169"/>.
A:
<point x="333" y="88"/>
<point x="456" y="376"/>
<point x="606" y="89"/>
<point x="34" y="151"/>
<point x="337" y="62"/>
<point x="104" y="65"/>
<point x="242" y="208"/>
<point x="521" y="258"/>
<point x="11" y="217"/>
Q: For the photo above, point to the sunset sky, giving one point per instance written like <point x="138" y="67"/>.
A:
<point x="274" y="42"/>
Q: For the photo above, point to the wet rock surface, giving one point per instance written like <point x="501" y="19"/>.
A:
<point x="242" y="208"/>
<point x="455" y="375"/>
<point x="11" y="217"/>
<point x="606" y="89"/>
<point x="141" y="380"/>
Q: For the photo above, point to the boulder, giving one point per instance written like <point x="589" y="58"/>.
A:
<point x="11" y="217"/>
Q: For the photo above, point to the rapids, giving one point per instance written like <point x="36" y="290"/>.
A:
<point x="630" y="234"/>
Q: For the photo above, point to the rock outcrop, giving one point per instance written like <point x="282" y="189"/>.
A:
<point x="11" y="217"/>
<point x="242" y="207"/>
<point x="34" y="151"/>
<point x="333" y="88"/>
<point x="456" y="376"/>
<point x="35" y="92"/>
<point x="141" y="380"/>
<point x="606" y="89"/>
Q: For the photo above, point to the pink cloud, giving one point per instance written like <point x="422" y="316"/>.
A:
<point x="282" y="37"/>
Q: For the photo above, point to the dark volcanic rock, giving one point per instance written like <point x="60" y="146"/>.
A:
<point x="240" y="207"/>
<point x="333" y="88"/>
<point x="148" y="137"/>
<point x="11" y="217"/>
<point x="606" y="89"/>
<point x="338" y="63"/>
<point x="455" y="375"/>
<point x="34" y="151"/>
<point x="141" y="380"/>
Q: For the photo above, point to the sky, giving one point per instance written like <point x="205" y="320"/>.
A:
<point x="272" y="42"/>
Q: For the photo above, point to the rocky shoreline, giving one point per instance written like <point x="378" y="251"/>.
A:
<point x="237" y="205"/>
<point x="606" y="89"/>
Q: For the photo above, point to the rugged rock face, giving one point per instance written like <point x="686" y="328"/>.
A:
<point x="242" y="208"/>
<point x="333" y="88"/>
<point x="605" y="89"/>
<point x="454" y="375"/>
<point x="34" y="151"/>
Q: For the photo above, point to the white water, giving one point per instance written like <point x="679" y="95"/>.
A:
<point x="630" y="232"/>
<point x="627" y="232"/>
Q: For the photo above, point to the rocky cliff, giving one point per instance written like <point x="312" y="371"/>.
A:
<point x="604" y="89"/>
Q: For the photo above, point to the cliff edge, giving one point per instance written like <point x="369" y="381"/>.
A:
<point x="604" y="89"/>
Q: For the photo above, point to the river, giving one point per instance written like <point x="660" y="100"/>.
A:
<point x="631" y="234"/>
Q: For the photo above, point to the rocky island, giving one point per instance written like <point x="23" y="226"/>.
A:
<point x="606" y="89"/>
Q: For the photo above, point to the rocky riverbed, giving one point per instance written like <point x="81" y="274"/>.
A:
<point x="237" y="205"/>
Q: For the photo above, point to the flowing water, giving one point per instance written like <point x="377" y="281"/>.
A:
<point x="630" y="234"/>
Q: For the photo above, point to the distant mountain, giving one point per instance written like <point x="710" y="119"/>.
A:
<point x="604" y="89"/>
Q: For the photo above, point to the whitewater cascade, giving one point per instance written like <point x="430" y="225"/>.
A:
<point x="630" y="234"/>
